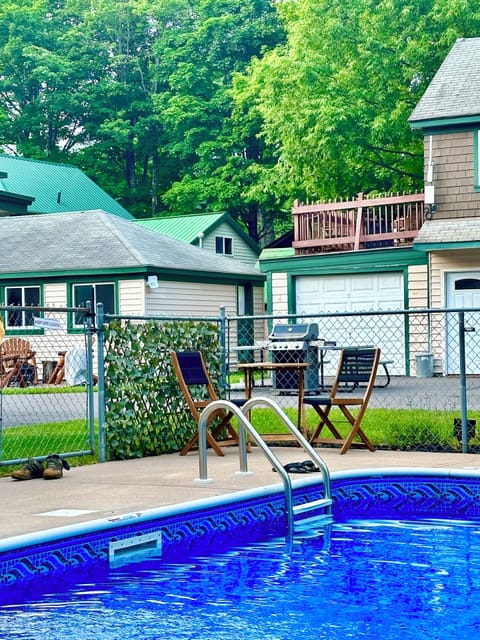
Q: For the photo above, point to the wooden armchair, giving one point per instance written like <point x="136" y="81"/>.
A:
<point x="17" y="360"/>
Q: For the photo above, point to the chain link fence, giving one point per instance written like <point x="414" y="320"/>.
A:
<point x="428" y="384"/>
<point x="47" y="400"/>
<point x="426" y="398"/>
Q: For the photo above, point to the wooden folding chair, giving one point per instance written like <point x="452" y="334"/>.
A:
<point x="16" y="355"/>
<point x="199" y="391"/>
<point x="355" y="367"/>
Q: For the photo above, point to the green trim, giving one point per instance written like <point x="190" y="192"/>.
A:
<point x="138" y="272"/>
<point x="445" y="123"/>
<point x="291" y="293"/>
<point x="28" y="330"/>
<point x="71" y="328"/>
<point x="268" y="292"/>
<point x="443" y="246"/>
<point x="346" y="262"/>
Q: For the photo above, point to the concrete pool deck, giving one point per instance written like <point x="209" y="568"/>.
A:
<point x="111" y="489"/>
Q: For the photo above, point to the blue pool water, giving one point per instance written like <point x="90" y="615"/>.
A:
<point x="359" y="578"/>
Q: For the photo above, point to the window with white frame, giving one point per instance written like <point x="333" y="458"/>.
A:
<point x="93" y="293"/>
<point x="224" y="245"/>
<point x="21" y="297"/>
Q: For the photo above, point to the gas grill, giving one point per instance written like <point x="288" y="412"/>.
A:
<point x="295" y="343"/>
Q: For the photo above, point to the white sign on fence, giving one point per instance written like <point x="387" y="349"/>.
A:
<point x="47" y="323"/>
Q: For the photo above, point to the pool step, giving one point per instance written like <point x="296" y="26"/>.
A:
<point x="308" y="507"/>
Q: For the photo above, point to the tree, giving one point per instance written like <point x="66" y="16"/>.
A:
<point x="335" y="100"/>
<point x="213" y="147"/>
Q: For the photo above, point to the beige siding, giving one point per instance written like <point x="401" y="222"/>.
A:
<point x="241" y="250"/>
<point x="55" y="294"/>
<point x="447" y="261"/>
<point x="418" y="286"/>
<point x="191" y="299"/>
<point x="453" y="174"/>
<point x="441" y="263"/>
<point x="279" y="294"/>
<point x="418" y="298"/>
<point x="132" y="295"/>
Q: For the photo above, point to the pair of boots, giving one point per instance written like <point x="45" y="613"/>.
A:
<point x="51" y="469"/>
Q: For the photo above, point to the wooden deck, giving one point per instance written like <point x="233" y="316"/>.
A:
<point x="353" y="225"/>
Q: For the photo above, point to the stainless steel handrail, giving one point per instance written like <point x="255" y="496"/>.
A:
<point x="245" y="424"/>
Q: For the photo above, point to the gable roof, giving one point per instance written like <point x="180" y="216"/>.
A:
<point x="453" y="96"/>
<point x="96" y="241"/>
<point x="188" y="227"/>
<point x="54" y="188"/>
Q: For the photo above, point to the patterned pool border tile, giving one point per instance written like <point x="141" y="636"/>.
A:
<point x="215" y="522"/>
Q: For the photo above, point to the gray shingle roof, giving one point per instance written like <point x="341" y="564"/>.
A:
<point x="96" y="240"/>
<point x="449" y="230"/>
<point x="454" y="91"/>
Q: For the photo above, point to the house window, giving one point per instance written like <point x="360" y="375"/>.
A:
<point x="93" y="293"/>
<point x="224" y="245"/>
<point x="476" y="159"/>
<point x="21" y="297"/>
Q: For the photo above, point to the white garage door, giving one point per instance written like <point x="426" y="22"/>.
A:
<point x="356" y="293"/>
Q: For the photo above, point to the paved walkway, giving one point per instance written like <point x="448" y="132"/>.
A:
<point x="115" y="488"/>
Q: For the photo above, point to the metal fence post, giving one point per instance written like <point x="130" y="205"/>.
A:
<point x="89" y="321"/>
<point x="101" y="383"/>
<point x="463" y="380"/>
<point x="223" y="347"/>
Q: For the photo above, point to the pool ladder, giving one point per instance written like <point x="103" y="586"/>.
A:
<point x="320" y="509"/>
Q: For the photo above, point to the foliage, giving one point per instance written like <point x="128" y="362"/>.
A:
<point x="193" y="105"/>
<point x="145" y="411"/>
<point x="336" y="99"/>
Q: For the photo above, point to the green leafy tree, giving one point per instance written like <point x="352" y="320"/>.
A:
<point x="215" y="149"/>
<point x="335" y="100"/>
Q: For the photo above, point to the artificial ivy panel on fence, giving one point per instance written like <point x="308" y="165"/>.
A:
<point x="145" y="410"/>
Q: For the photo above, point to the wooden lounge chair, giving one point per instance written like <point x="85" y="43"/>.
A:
<point x="199" y="391"/>
<point x="17" y="363"/>
<point x="355" y="367"/>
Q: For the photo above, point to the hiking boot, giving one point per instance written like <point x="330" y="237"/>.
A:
<point x="54" y="466"/>
<point x="32" y="469"/>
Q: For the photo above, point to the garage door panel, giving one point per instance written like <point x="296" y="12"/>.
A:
<point x="358" y="293"/>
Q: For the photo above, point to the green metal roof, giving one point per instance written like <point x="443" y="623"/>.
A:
<point x="56" y="188"/>
<point x="187" y="227"/>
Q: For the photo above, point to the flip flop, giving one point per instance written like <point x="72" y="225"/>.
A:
<point x="310" y="466"/>
<point x="299" y="467"/>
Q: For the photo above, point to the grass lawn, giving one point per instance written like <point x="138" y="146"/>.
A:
<point x="40" y="440"/>
<point x="396" y="429"/>
<point x="403" y="429"/>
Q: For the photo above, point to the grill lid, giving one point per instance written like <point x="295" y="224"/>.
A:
<point x="286" y="332"/>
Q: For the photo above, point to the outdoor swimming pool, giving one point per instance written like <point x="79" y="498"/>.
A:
<point x="401" y="560"/>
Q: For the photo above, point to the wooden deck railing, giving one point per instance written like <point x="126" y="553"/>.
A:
<point x="352" y="225"/>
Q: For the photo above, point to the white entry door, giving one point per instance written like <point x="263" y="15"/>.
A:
<point x="463" y="291"/>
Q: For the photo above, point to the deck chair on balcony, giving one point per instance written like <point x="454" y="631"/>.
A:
<point x="356" y="367"/>
<point x="17" y="363"/>
<point x="198" y="391"/>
